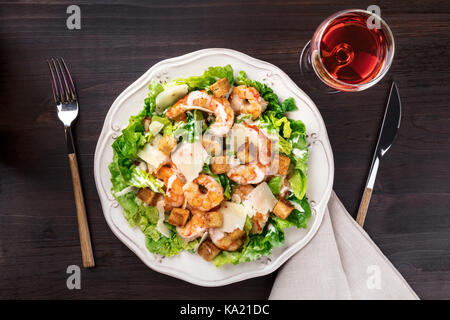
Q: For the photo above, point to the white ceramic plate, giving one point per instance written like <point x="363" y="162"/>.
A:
<point x="191" y="267"/>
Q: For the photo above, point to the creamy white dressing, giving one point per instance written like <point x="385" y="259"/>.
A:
<point x="124" y="191"/>
<point x="298" y="152"/>
<point x="170" y="182"/>
<point x="297" y="206"/>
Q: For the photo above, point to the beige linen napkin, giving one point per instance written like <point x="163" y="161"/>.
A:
<point x="340" y="262"/>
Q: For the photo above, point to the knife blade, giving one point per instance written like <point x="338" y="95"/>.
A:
<point x="388" y="132"/>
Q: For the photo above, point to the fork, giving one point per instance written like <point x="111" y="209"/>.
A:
<point x="66" y="101"/>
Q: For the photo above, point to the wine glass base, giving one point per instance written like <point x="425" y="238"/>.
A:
<point x="309" y="78"/>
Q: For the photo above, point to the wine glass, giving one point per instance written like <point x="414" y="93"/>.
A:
<point x="350" y="51"/>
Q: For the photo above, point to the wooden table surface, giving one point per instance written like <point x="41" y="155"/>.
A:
<point x="409" y="217"/>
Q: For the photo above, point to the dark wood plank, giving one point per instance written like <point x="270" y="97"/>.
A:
<point x="409" y="214"/>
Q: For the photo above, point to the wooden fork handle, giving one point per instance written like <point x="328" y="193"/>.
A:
<point x="364" y="205"/>
<point x="83" y="227"/>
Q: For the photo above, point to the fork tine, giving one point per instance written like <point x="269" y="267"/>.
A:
<point x="55" y="90"/>
<point x="72" y="90"/>
<point x="64" y="82"/>
<point x="59" y="75"/>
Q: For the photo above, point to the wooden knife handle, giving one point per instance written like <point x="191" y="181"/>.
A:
<point x="364" y="205"/>
<point x="83" y="227"/>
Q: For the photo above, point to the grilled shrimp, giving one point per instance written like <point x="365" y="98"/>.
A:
<point x="228" y="241"/>
<point x="259" y="220"/>
<point x="174" y="196"/>
<point x="246" y="100"/>
<point x="201" y="100"/>
<point x="194" y="228"/>
<point x="241" y="193"/>
<point x="251" y="173"/>
<point x="200" y="200"/>
<point x="224" y="116"/>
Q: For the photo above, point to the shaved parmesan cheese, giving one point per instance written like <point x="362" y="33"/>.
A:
<point x="155" y="127"/>
<point x="234" y="216"/>
<point x="170" y="183"/>
<point x="170" y="95"/>
<point x="189" y="159"/>
<point x="260" y="200"/>
<point x="160" y="226"/>
<point x="154" y="158"/>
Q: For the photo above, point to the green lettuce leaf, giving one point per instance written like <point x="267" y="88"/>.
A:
<point x="132" y="138"/>
<point x="282" y="125"/>
<point x="299" y="217"/>
<point x="275" y="185"/>
<point x="120" y="173"/>
<point x="284" y="146"/>
<point x="298" y="183"/>
<point x="192" y="130"/>
<point x="157" y="243"/>
<point x="168" y="126"/>
<point x="223" y="179"/>
<point x="142" y="179"/>
<point x="211" y="75"/>
<point x="154" y="88"/>
<point x="255" y="246"/>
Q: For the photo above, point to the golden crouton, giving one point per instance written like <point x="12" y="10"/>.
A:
<point x="247" y="153"/>
<point x="146" y="195"/>
<point x="219" y="165"/>
<point x="220" y="87"/>
<point x="208" y="250"/>
<point x="283" y="209"/>
<point x="213" y="219"/>
<point x="283" y="164"/>
<point x="178" y="217"/>
<point x="167" y="144"/>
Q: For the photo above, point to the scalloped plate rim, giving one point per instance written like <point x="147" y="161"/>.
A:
<point x="108" y="203"/>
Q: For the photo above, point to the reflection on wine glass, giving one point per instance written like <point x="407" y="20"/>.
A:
<point x="347" y="53"/>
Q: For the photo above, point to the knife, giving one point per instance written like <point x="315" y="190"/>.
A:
<point x="388" y="132"/>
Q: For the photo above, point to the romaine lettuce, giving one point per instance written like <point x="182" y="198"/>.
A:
<point x="142" y="179"/>
<point x="275" y="185"/>
<point x="211" y="75"/>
